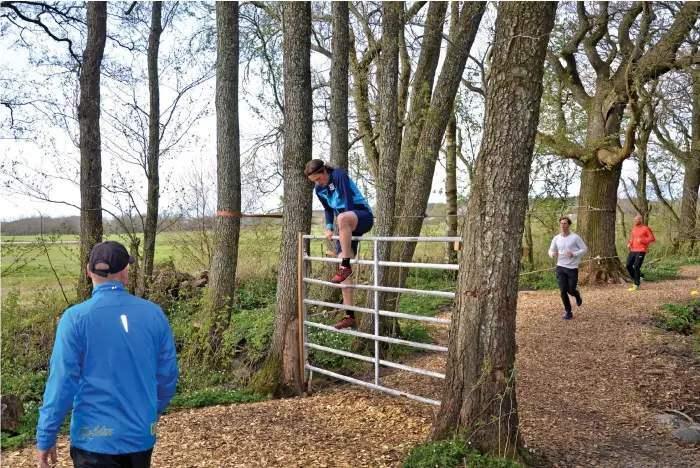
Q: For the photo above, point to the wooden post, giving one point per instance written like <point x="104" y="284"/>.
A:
<point x="300" y="305"/>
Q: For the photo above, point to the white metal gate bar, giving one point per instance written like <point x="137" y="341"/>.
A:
<point x="383" y="313"/>
<point x="304" y="323"/>
<point x="360" y="357"/>
<point x="388" y="390"/>
<point x="437" y="266"/>
<point x="377" y="337"/>
<point x="377" y="288"/>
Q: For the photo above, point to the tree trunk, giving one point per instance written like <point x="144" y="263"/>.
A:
<point x="479" y="394"/>
<point x="151" y="224"/>
<point x="451" y="187"/>
<point x="689" y="202"/>
<point x="529" y="243"/>
<point x="388" y="155"/>
<point x="421" y="91"/>
<point x="360" y="94"/>
<point x="598" y="196"/>
<point x="691" y="178"/>
<point x="623" y="224"/>
<point x="422" y="166"/>
<point x="228" y="157"/>
<point x="339" y="85"/>
<point x="90" y="142"/>
<point x="646" y="125"/>
<point x="339" y="118"/>
<point x="280" y="373"/>
<point x="134" y="274"/>
<point x="641" y="188"/>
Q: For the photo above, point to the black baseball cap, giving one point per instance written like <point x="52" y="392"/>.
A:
<point x="109" y="257"/>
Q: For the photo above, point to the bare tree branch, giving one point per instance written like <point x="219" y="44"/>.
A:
<point x="38" y="22"/>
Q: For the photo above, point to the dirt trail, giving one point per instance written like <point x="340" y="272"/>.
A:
<point x="588" y="390"/>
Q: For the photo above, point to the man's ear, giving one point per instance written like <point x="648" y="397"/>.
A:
<point x="124" y="275"/>
<point x="89" y="273"/>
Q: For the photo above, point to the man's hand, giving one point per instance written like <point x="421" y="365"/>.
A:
<point x="555" y="253"/>
<point x="44" y="457"/>
<point x="570" y="254"/>
<point x="329" y="234"/>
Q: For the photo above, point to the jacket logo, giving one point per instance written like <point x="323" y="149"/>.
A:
<point x="331" y="186"/>
<point x="87" y="432"/>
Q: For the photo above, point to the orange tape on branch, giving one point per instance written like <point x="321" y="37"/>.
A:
<point x="235" y="214"/>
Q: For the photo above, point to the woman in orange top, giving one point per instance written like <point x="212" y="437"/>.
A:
<point x="638" y="246"/>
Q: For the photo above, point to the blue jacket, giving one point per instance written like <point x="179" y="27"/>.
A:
<point x="340" y="195"/>
<point x="114" y="363"/>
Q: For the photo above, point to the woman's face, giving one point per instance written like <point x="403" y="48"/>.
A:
<point x="320" y="178"/>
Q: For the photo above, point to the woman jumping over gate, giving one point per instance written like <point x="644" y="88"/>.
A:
<point x="340" y="197"/>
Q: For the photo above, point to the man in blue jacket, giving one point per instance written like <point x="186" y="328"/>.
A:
<point x="114" y="363"/>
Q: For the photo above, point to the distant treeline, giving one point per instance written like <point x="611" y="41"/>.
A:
<point x="71" y="224"/>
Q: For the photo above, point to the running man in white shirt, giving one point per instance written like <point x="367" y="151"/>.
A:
<point x="568" y="248"/>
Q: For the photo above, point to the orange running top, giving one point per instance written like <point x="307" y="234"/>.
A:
<point x="641" y="238"/>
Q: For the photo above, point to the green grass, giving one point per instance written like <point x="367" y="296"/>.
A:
<point x="665" y="268"/>
<point x="681" y="318"/>
<point x="545" y="280"/>
<point x="451" y="454"/>
<point x="258" y="254"/>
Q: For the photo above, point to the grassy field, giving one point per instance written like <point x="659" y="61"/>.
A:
<point x="36" y="266"/>
<point x="31" y="267"/>
<point x="28" y="268"/>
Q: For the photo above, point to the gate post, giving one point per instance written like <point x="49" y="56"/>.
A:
<point x="376" y="312"/>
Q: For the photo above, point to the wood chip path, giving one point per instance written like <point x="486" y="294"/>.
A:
<point x="588" y="391"/>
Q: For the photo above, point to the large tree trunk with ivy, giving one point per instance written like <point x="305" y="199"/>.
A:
<point x="90" y="141"/>
<point x="339" y="118"/>
<point x="479" y="393"/>
<point x="152" y="159"/>
<point x="228" y="157"/>
<point x="281" y="374"/>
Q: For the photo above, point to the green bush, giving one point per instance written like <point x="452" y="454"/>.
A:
<point x="452" y="453"/>
<point x="29" y="328"/>
<point x="680" y="318"/>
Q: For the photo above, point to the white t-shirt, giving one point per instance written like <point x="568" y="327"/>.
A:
<point x="563" y="245"/>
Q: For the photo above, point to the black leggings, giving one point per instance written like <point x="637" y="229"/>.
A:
<point x="567" y="278"/>
<point x="85" y="459"/>
<point x="634" y="265"/>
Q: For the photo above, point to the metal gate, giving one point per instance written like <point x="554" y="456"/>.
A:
<point x="304" y="323"/>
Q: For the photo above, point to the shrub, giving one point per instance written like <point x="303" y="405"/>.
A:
<point x="680" y="318"/>
<point x="453" y="453"/>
